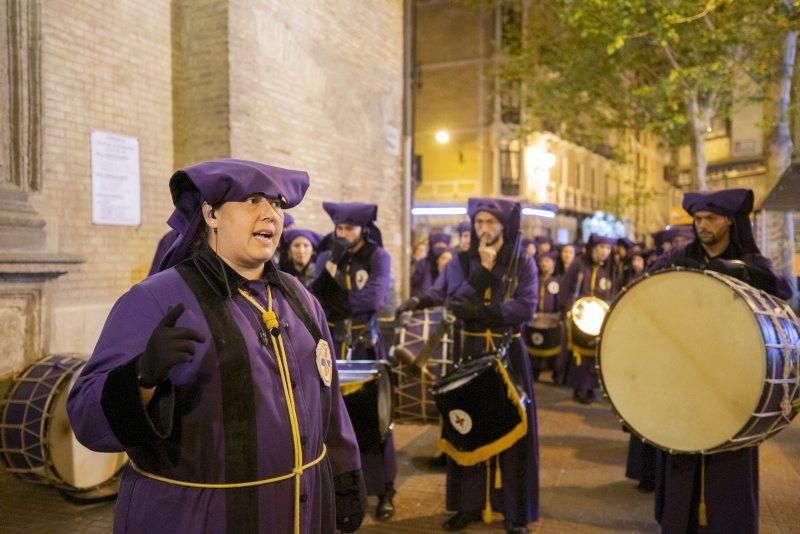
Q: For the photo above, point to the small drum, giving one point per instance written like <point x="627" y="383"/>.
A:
<point x="36" y="441"/>
<point x="483" y="411"/>
<point x="585" y="319"/>
<point x="543" y="335"/>
<point x="414" y="402"/>
<point x="699" y="362"/>
<point x="367" y="390"/>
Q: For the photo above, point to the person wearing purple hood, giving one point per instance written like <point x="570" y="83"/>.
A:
<point x="590" y="275"/>
<point x="473" y="287"/>
<point x="464" y="230"/>
<point x="549" y="288"/>
<point x="215" y="375"/>
<point x="427" y="269"/>
<point x="301" y="254"/>
<point x="719" y="492"/>
<point x="353" y="281"/>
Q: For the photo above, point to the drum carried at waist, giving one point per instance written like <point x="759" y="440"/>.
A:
<point x="584" y="321"/>
<point x="366" y="386"/>
<point x="699" y="362"/>
<point x="543" y="335"/>
<point x="483" y="412"/>
<point x="37" y="443"/>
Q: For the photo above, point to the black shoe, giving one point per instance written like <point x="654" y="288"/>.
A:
<point x="515" y="529"/>
<point x="385" y="509"/>
<point x="460" y="520"/>
<point x="583" y="397"/>
<point x="646" y="487"/>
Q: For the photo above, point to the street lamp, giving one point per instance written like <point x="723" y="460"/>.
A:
<point x="538" y="162"/>
<point x="442" y="137"/>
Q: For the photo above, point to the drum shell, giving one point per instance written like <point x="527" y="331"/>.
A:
<point x="578" y="340"/>
<point x="364" y="405"/>
<point x="543" y="337"/>
<point x="36" y="442"/>
<point x="779" y="399"/>
<point x="489" y="421"/>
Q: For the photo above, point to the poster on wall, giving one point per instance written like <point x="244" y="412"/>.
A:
<point x="116" y="180"/>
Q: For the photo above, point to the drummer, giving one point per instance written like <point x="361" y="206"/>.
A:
<point x="549" y="288"/>
<point x="726" y="481"/>
<point x="473" y="284"/>
<point x="590" y="275"/>
<point x="184" y="377"/>
<point x="427" y="269"/>
<point x="299" y="260"/>
<point x="353" y="281"/>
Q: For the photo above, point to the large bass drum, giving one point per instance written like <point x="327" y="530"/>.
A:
<point x="37" y="443"/>
<point x="699" y="362"/>
<point x="367" y="390"/>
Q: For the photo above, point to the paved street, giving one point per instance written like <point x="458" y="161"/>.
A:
<point x="582" y="484"/>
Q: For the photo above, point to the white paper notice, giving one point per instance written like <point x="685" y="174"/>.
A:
<point x="116" y="180"/>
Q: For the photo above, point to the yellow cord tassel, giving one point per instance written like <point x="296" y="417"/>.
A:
<point x="702" y="512"/>
<point x="498" y="474"/>
<point x="487" y="509"/>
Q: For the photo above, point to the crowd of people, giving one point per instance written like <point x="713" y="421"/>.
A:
<point x="217" y="373"/>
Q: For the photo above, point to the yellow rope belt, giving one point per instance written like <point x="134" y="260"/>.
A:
<point x="484" y="334"/>
<point x="250" y="484"/>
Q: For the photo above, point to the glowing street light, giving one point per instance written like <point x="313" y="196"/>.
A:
<point x="442" y="137"/>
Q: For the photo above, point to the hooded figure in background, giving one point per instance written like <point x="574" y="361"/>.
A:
<point x="591" y="275"/>
<point x="427" y="269"/>
<point x="300" y="255"/>
<point x="215" y="375"/>
<point x="727" y="481"/>
<point x="464" y="230"/>
<point x="353" y="281"/>
<point x="473" y="287"/>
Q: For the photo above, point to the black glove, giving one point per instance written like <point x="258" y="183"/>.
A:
<point x="466" y="310"/>
<point x="339" y="248"/>
<point x="685" y="261"/>
<point x="409" y="305"/>
<point x="168" y="346"/>
<point x="735" y="269"/>
<point x="351" y="500"/>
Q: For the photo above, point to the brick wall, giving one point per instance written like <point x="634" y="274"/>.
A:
<point x="105" y="65"/>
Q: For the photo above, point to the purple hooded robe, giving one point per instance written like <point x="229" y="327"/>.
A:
<point x="221" y="417"/>
<point x="466" y="279"/>
<point x="731" y="478"/>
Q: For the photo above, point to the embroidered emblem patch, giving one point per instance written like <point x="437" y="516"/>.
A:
<point x="537" y="338"/>
<point x="324" y="362"/>
<point x="461" y="421"/>
<point x="605" y="284"/>
<point x="553" y="287"/>
<point x="361" y="278"/>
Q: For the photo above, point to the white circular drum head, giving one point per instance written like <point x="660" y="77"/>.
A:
<point x="683" y="360"/>
<point x="78" y="466"/>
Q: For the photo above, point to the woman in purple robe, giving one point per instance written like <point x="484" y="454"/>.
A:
<point x="215" y="375"/>
<point x="590" y="275"/>
<point x="472" y="286"/>
<point x="563" y="362"/>
<point x="301" y="254"/>
<point x="716" y="493"/>
<point x="427" y="270"/>
<point x="353" y="281"/>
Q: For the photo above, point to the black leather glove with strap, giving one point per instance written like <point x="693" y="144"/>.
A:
<point x="733" y="268"/>
<point x="168" y="346"/>
<point x="409" y="305"/>
<point x="351" y="500"/>
<point x="339" y="248"/>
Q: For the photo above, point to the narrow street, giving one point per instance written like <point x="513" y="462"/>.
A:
<point x="582" y="484"/>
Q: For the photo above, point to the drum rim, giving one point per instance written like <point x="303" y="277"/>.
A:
<point x="74" y="365"/>
<point x="721" y="447"/>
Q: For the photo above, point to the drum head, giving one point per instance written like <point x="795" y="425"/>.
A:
<point x="78" y="466"/>
<point x="682" y="360"/>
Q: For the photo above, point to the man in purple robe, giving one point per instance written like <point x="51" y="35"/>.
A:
<point x="353" y="281"/>
<point x="472" y="285"/>
<point x="215" y="375"/>
<point x="719" y="492"/>
<point x="427" y="270"/>
<point x="591" y="275"/>
<point x="299" y="259"/>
